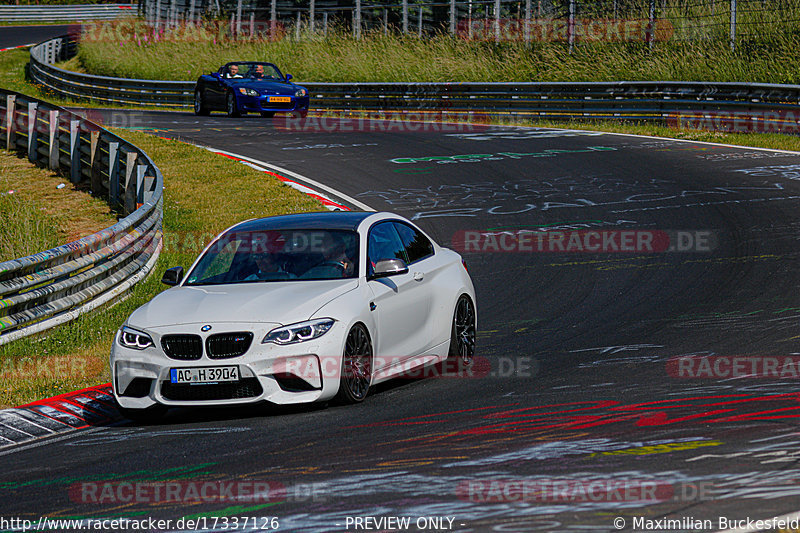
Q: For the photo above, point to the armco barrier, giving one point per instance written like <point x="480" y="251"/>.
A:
<point x="57" y="285"/>
<point x="659" y="101"/>
<point x="67" y="13"/>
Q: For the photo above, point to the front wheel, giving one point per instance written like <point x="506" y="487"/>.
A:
<point x="462" y="335"/>
<point x="356" y="366"/>
<point x="200" y="107"/>
<point x="231" y="108"/>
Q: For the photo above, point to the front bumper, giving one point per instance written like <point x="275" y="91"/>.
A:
<point x="257" y="104"/>
<point x="297" y="373"/>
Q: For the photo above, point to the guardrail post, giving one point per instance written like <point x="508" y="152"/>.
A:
<point x="325" y="23"/>
<point x="273" y="18"/>
<point x="651" y="26"/>
<point x="419" y="24"/>
<point x="452" y="17"/>
<point x="140" y="180"/>
<point x="357" y="20"/>
<point x="158" y="14"/>
<point x="53" y="127"/>
<point x="129" y="195"/>
<point x="297" y="27"/>
<point x="733" y="25"/>
<point x="312" y="13"/>
<point x="527" y="20"/>
<point x="571" y="26"/>
<point x="113" y="173"/>
<point x="11" y="106"/>
<point x="405" y="17"/>
<point x="95" y="177"/>
<point x="497" y="21"/>
<point x="33" y="133"/>
<point x="74" y="151"/>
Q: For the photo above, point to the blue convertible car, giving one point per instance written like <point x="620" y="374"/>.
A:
<point x="248" y="86"/>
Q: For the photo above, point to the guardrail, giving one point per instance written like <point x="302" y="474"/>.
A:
<point x="67" y="13"/>
<point x="657" y="101"/>
<point x="51" y="287"/>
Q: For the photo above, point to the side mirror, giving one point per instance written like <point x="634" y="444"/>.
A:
<point x="389" y="267"/>
<point x="172" y="276"/>
<point x="288" y="77"/>
<point x="216" y="74"/>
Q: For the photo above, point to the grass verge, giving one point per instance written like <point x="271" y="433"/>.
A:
<point x="131" y="50"/>
<point x="37" y="215"/>
<point x="204" y="194"/>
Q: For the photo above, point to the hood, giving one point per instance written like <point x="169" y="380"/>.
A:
<point x="267" y="86"/>
<point x="273" y="302"/>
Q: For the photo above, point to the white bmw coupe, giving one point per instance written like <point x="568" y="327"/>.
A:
<point x="294" y="309"/>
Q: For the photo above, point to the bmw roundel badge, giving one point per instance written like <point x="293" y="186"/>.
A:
<point x="205" y="328"/>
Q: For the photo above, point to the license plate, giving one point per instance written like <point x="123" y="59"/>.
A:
<point x="207" y="374"/>
<point x="279" y="99"/>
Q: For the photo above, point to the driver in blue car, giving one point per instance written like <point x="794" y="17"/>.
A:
<point x="233" y="71"/>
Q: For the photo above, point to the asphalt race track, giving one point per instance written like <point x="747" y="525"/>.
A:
<point x="608" y="383"/>
<point x="17" y="35"/>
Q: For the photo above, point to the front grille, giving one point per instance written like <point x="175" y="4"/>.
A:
<point x="227" y="345"/>
<point x="183" y="347"/>
<point x="277" y="105"/>
<point x="246" y="388"/>
<point x="138" y="388"/>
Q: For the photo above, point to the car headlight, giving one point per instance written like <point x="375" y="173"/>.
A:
<point x="136" y="340"/>
<point x="300" y="332"/>
<point x="248" y="92"/>
<point x="300" y="92"/>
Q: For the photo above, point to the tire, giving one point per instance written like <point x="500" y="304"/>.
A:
<point x="143" y="416"/>
<point x="230" y="106"/>
<point x="462" y="332"/>
<point x="356" y="375"/>
<point x="268" y="114"/>
<point x="200" y="107"/>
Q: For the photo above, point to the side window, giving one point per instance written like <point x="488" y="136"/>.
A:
<point x="416" y="244"/>
<point x="384" y="243"/>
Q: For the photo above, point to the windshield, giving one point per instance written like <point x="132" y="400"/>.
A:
<point x="278" y="255"/>
<point x="263" y="71"/>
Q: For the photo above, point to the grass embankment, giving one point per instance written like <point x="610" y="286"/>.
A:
<point x="204" y="194"/>
<point x="37" y="215"/>
<point x="691" y="46"/>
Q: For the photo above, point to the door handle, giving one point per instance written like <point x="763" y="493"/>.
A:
<point x="418" y="276"/>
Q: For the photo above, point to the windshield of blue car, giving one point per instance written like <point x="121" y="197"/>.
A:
<point x="253" y="71"/>
<point x="278" y="255"/>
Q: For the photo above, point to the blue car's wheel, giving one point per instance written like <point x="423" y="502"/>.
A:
<point x="199" y="105"/>
<point x="231" y="108"/>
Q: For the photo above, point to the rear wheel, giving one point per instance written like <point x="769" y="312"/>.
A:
<point x="200" y="107"/>
<point x="356" y="366"/>
<point x="462" y="335"/>
<point x="231" y="108"/>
